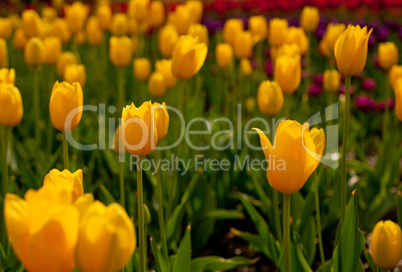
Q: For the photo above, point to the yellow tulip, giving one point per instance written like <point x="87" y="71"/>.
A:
<point x="167" y="40"/>
<point x="19" y="39"/>
<point x="61" y="30"/>
<point x="161" y="119"/>
<point x="104" y="15"/>
<point x="6" y="27"/>
<point x="394" y="73"/>
<point x="142" y="68"/>
<point x="139" y="129"/>
<point x="16" y="21"/>
<point x="309" y="19"/>
<point x="287" y="73"/>
<point x="296" y="35"/>
<point x="94" y="32"/>
<point x="294" y="156"/>
<point x="244" y="43"/>
<point x="183" y="19"/>
<point x="47" y="29"/>
<point x="75" y="73"/>
<point x="250" y="105"/>
<point x="324" y="50"/>
<point x="106" y="238"/>
<point x="7" y="76"/>
<point x="120" y="51"/>
<point x="157" y="10"/>
<point x="11" y="109"/>
<point x="196" y="9"/>
<point x="387" y="55"/>
<point x="245" y="67"/>
<point x="398" y="99"/>
<point x="67" y="181"/>
<point x="57" y="4"/>
<point x="188" y="57"/>
<point x="65" y="59"/>
<point x="331" y="80"/>
<point x="200" y="31"/>
<point x="66" y="105"/>
<point x="385" y="244"/>
<point x="32" y="23"/>
<point x="277" y="32"/>
<point x="80" y="37"/>
<point x="258" y="27"/>
<point x="351" y="50"/>
<point x="165" y="67"/>
<point x="49" y="13"/>
<point x="118" y="26"/>
<point x="35" y="52"/>
<point x="138" y="9"/>
<point x="3" y="54"/>
<point x="52" y="50"/>
<point x="290" y="50"/>
<point x="333" y="32"/>
<point x="76" y="13"/>
<point x="269" y="98"/>
<point x="224" y="55"/>
<point x="230" y="30"/>
<point x="157" y="85"/>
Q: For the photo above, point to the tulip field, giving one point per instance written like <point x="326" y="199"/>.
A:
<point x="191" y="136"/>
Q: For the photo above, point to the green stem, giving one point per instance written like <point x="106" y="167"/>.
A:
<point x="141" y="225"/>
<point x="120" y="89"/>
<point x="181" y="96"/>
<point x="65" y="152"/>
<point x="286" y="232"/>
<point x="344" y="147"/>
<point x="36" y="107"/>
<point x="277" y="223"/>
<point x="318" y="218"/>
<point x="5" y="178"/>
<point x="121" y="180"/>
<point x="385" y="126"/>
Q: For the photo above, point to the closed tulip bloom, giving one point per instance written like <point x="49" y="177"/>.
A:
<point x="7" y="76"/>
<point x="65" y="59"/>
<point x="67" y="181"/>
<point x="120" y="51"/>
<point x="106" y="239"/>
<point x="244" y="43"/>
<point x="398" y="99"/>
<point x="258" y="27"/>
<point x="65" y="105"/>
<point x="35" y="52"/>
<point x="290" y="50"/>
<point x="76" y="13"/>
<point x="200" y="31"/>
<point x="167" y="40"/>
<point x="157" y="85"/>
<point x="47" y="29"/>
<point x="183" y="19"/>
<point x="270" y="98"/>
<point x="331" y="35"/>
<point x="142" y="68"/>
<point x="118" y="26"/>
<point x="94" y="32"/>
<point x="104" y="15"/>
<point x="157" y="10"/>
<point x="387" y="55"/>
<point x="224" y="55"/>
<point x="324" y="50"/>
<point x="296" y="35"/>
<point x="385" y="244"/>
<point x="331" y="80"/>
<point x="139" y="129"/>
<point x="61" y="30"/>
<point x="161" y="119"/>
<point x="230" y="30"/>
<point x="11" y="109"/>
<point x="196" y="9"/>
<point x="32" y="23"/>
<point x="394" y="73"/>
<point x="52" y="50"/>
<point x="288" y="73"/>
<point x="165" y="67"/>
<point x="75" y="73"/>
<point x="3" y="54"/>
<point x="351" y="50"/>
<point x="245" y="67"/>
<point x="277" y="32"/>
<point x="294" y="156"/>
<point x="188" y="57"/>
<point x="49" y="13"/>
<point x="138" y="9"/>
<point x="309" y="19"/>
<point x="6" y="27"/>
<point x="19" y="39"/>
<point x="80" y="37"/>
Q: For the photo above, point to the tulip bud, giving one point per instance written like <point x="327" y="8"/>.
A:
<point x="139" y="129"/>
<point x="245" y="66"/>
<point x="296" y="35"/>
<point x="132" y="26"/>
<point x="258" y="27"/>
<point x="309" y="19"/>
<point x="49" y="13"/>
<point x="65" y="59"/>
<point x="394" y="73"/>
<point x="157" y="10"/>
<point x="3" y="54"/>
<point x="331" y="35"/>
<point x="66" y="105"/>
<point x="331" y="80"/>
<point x="5" y="28"/>
<point x="75" y="73"/>
<point x="278" y="29"/>
<point x="290" y="50"/>
<point x="20" y="39"/>
<point x="118" y="26"/>
<point x="35" y="52"/>
<point x="7" y="76"/>
<point x="107" y="232"/>
<point x="244" y="43"/>
<point x="196" y="9"/>
<point x="387" y="55"/>
<point x="188" y="57"/>
<point x="67" y="181"/>
<point x="76" y="13"/>
<point x="250" y="105"/>
<point x="200" y="31"/>
<point x="270" y="98"/>
<point x="161" y="119"/>
<point x="157" y="85"/>
<point x="147" y="215"/>
<point x="11" y="109"/>
<point x="138" y="9"/>
<point x="142" y="68"/>
<point x="120" y="51"/>
<point x="104" y="15"/>
<point x="398" y="99"/>
<point x="288" y="73"/>
<point x="224" y="55"/>
<point x="351" y="50"/>
<point x="62" y="31"/>
<point x="167" y="40"/>
<point x="290" y="168"/>
<point x="80" y="37"/>
<point x="52" y="50"/>
<point x="94" y="32"/>
<point x="165" y="67"/>
<point x="32" y="23"/>
<point x="385" y="244"/>
<point x="230" y="30"/>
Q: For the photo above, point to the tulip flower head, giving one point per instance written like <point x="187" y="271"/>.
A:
<point x="35" y="52"/>
<point x="157" y="84"/>
<point x="19" y="39"/>
<point x="31" y="23"/>
<point x="200" y="31"/>
<point x="270" y="98"/>
<point x="11" y="109"/>
<point x="167" y="40"/>
<point x="120" y="51"/>
<point x="387" y="55"/>
<point x="104" y="16"/>
<point x="245" y="67"/>
<point x="65" y="180"/>
<point x="398" y="99"/>
<point x="142" y="68"/>
<point x="165" y="67"/>
<point x="224" y="55"/>
<point x="288" y="73"/>
<point x="61" y="30"/>
<point x="296" y="35"/>
<point x="7" y="76"/>
<point x="161" y="119"/>
<point x="138" y="9"/>
<point x="52" y="49"/>
<point x="278" y="30"/>
<point x="157" y="10"/>
<point x="230" y="30"/>
<point x="309" y="19"/>
<point x="394" y="74"/>
<point x="5" y="28"/>
<point x="244" y="43"/>
<point x="65" y="59"/>
<point x="76" y="13"/>
<point x="196" y="8"/>
<point x="118" y="26"/>
<point x="94" y="32"/>
<point x="290" y="50"/>
<point x="3" y="54"/>
<point x="75" y="73"/>
<point x="258" y="27"/>
<point x="333" y="32"/>
<point x="331" y="80"/>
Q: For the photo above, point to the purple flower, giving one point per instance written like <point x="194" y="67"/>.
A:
<point x="369" y="84"/>
<point x="382" y="33"/>
<point x="269" y="69"/>
<point x="365" y="103"/>
<point x="342" y="89"/>
<point x="381" y="104"/>
<point x="212" y="24"/>
<point x="372" y="41"/>
<point x="315" y="90"/>
<point x="254" y="63"/>
<point x="318" y="79"/>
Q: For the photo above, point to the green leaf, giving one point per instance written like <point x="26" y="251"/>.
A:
<point x="107" y="194"/>
<point x="111" y="161"/>
<point x="216" y="263"/>
<point x="223" y="214"/>
<point x="160" y="260"/>
<point x="183" y="260"/>
<point x="351" y="244"/>
<point x="254" y="240"/>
